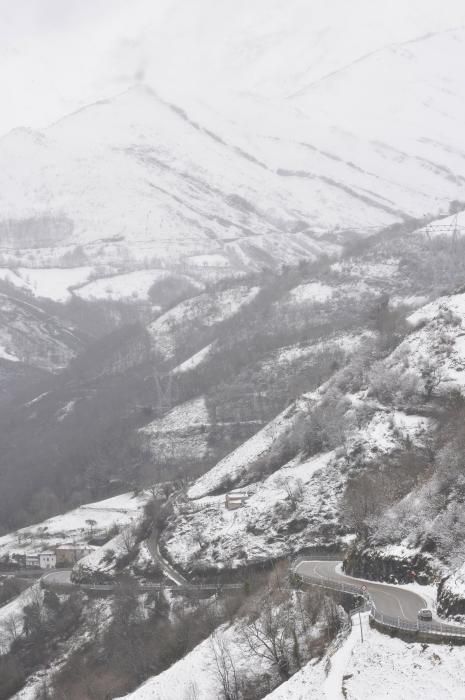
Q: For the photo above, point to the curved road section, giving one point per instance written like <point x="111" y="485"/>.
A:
<point x="389" y="600"/>
<point x="391" y="605"/>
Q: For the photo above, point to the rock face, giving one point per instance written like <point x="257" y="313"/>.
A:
<point x="387" y="564"/>
<point x="451" y="594"/>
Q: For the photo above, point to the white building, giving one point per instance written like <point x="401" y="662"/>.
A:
<point x="235" y="500"/>
<point x="47" y="560"/>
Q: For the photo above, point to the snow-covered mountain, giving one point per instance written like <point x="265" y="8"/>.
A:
<point x="239" y="267"/>
<point x="271" y="166"/>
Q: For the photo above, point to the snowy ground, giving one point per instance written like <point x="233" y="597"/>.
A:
<point x="435" y="351"/>
<point x="381" y="668"/>
<point x="298" y="504"/>
<point x="205" y="309"/>
<point x="194" y="676"/>
<point x="97" y="615"/>
<point x="10" y="613"/>
<point x="72" y="526"/>
<point x="132" y="285"/>
<point x="346" y="343"/>
<point x="385" y="668"/>
<point x="50" y="283"/>
<point x="269" y="524"/>
<point x="311" y="292"/>
<point x="194" y="361"/>
<point x="242" y="460"/>
<point x="181" y="433"/>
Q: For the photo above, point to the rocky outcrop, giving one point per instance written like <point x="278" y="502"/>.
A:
<point x="388" y="564"/>
<point x="451" y="594"/>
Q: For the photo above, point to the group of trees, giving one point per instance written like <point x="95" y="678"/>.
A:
<point x="140" y="641"/>
<point x="278" y="630"/>
<point x="32" y="636"/>
<point x="272" y="625"/>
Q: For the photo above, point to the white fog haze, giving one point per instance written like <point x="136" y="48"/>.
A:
<point x="232" y="357"/>
<point x="58" y="56"/>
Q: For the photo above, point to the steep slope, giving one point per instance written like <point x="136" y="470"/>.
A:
<point x="135" y="176"/>
<point x="29" y="334"/>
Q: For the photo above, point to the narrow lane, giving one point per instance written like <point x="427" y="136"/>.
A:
<point x="388" y="599"/>
<point x="154" y="549"/>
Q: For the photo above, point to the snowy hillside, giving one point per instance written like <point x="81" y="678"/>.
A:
<point x="181" y="434"/>
<point x="232" y="290"/>
<point x="297" y="506"/>
<point x="31" y="335"/>
<point x="433" y="357"/>
<point x="381" y="668"/>
<point x="74" y="526"/>
<point x="169" y="331"/>
<point x="257" y="172"/>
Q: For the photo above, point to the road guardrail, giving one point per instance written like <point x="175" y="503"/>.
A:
<point x="440" y="629"/>
<point x="142" y="587"/>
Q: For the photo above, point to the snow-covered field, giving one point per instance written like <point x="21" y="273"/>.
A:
<point x="73" y="526"/>
<point x="132" y="285"/>
<point x="50" y="283"/>
<point x="311" y="292"/>
<point x="54" y="283"/>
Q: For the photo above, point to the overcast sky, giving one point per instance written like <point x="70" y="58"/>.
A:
<point x="55" y="55"/>
<point x="58" y="55"/>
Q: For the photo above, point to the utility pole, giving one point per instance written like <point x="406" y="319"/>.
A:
<point x="364" y="589"/>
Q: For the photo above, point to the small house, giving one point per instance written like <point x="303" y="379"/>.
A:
<point x="70" y="553"/>
<point x="235" y="500"/>
<point x="32" y="561"/>
<point x="47" y="560"/>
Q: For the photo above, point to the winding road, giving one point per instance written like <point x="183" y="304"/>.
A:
<point x="154" y="549"/>
<point x="389" y="599"/>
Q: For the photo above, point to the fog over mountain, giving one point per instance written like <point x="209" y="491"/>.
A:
<point x="232" y="268"/>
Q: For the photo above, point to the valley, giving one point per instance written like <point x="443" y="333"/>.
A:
<point x="232" y="356"/>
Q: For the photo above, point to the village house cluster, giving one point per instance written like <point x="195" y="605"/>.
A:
<point x="61" y="556"/>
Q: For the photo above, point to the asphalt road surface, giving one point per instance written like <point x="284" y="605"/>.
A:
<point x="152" y="544"/>
<point x="389" y="600"/>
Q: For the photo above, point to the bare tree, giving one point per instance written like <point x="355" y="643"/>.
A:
<point x="225" y="667"/>
<point x="91" y="523"/>
<point x="12" y="627"/>
<point x="362" y="500"/>
<point x="267" y="635"/>
<point x="128" y="538"/>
